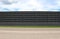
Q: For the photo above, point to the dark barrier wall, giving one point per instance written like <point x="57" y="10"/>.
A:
<point x="29" y="18"/>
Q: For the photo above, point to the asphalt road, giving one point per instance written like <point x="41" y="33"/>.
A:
<point x="29" y="33"/>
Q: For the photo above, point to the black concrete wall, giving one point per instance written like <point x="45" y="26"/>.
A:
<point x="30" y="18"/>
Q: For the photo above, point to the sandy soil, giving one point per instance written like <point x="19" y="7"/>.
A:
<point x="29" y="33"/>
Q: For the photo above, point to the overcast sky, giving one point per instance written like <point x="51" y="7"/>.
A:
<point x="29" y="5"/>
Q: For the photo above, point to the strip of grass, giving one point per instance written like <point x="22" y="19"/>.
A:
<point x="29" y="26"/>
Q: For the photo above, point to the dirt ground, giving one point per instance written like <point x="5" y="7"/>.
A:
<point x="29" y="33"/>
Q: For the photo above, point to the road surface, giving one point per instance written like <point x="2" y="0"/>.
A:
<point x="29" y="33"/>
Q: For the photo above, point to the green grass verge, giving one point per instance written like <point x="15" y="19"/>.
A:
<point x="29" y="26"/>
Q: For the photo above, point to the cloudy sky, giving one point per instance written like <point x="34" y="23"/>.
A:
<point x="29" y="5"/>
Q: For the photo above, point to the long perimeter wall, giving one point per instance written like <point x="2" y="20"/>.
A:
<point x="29" y="18"/>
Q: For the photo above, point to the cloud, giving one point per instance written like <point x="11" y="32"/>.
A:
<point x="30" y="5"/>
